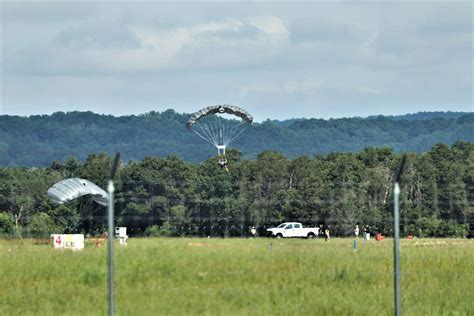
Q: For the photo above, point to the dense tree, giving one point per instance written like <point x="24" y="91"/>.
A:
<point x="39" y="140"/>
<point x="170" y="197"/>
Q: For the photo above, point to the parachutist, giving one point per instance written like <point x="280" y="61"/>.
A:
<point x="223" y="163"/>
<point x="208" y="124"/>
<point x="218" y="131"/>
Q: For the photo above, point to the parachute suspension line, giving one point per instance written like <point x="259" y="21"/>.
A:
<point x="217" y="130"/>
<point x="226" y="130"/>
<point x="212" y="134"/>
<point x="233" y="131"/>
<point x="229" y="132"/>
<point x="211" y="130"/>
<point x="223" y="129"/>
<point x="238" y="134"/>
<point x="207" y="140"/>
<point x="221" y="136"/>
<point x="206" y="134"/>
<point x="214" y="130"/>
<point x="236" y="131"/>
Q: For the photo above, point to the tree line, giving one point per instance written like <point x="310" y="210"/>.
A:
<point x="170" y="197"/>
<point x="39" y="139"/>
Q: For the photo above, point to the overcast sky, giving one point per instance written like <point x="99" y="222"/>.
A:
<point x="277" y="60"/>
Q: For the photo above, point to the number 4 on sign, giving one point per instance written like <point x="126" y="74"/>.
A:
<point x="58" y="240"/>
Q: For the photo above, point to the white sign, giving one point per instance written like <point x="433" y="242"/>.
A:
<point x="121" y="234"/>
<point x="68" y="241"/>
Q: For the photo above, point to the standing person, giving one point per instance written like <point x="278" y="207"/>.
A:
<point x="253" y="232"/>
<point x="367" y="232"/>
<point x="326" y="233"/>
<point x="356" y="231"/>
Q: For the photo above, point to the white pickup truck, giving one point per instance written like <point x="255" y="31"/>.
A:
<point x="293" y="229"/>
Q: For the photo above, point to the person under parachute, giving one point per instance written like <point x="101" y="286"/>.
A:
<point x="222" y="162"/>
<point x="69" y="189"/>
<point x="217" y="131"/>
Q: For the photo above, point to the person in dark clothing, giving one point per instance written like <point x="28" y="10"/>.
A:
<point x="326" y="233"/>
<point x="321" y="231"/>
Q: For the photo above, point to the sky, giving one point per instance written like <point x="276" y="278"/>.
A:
<point x="276" y="60"/>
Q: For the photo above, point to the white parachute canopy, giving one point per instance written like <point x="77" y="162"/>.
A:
<point x="72" y="188"/>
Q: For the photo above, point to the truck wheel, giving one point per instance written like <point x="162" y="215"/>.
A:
<point x="310" y="236"/>
<point x="279" y="236"/>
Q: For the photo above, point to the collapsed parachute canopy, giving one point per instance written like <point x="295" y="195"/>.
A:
<point x="215" y="130"/>
<point x="72" y="188"/>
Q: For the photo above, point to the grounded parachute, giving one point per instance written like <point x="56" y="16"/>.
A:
<point x="72" y="188"/>
<point x="218" y="131"/>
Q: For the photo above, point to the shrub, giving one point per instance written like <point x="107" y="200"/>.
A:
<point x="7" y="225"/>
<point x="41" y="225"/>
<point x="166" y="230"/>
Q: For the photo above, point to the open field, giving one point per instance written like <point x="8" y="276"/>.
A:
<point x="239" y="277"/>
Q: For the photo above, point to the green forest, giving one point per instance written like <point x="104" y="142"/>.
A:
<point x="38" y="140"/>
<point x="168" y="196"/>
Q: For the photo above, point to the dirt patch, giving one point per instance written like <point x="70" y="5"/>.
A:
<point x="197" y="244"/>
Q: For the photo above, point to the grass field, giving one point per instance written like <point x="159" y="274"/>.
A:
<point x="239" y="277"/>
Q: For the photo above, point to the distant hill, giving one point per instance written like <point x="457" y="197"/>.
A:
<point x="426" y="116"/>
<point x="40" y="139"/>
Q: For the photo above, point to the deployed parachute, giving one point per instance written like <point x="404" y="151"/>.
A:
<point x="218" y="131"/>
<point x="72" y="188"/>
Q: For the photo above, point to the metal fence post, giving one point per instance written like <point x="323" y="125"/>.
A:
<point x="396" y="247"/>
<point x="396" y="235"/>
<point x="110" y="190"/>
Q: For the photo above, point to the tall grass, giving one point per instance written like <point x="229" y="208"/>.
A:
<point x="239" y="277"/>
